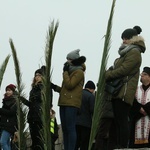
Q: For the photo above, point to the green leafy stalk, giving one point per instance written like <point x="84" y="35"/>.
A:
<point x="47" y="101"/>
<point x="101" y="80"/>
<point x="3" y="68"/>
<point x="21" y="110"/>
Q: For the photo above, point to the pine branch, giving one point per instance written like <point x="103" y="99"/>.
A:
<point x="3" y="68"/>
<point x="21" y="110"/>
<point x="46" y="81"/>
<point x="101" y="81"/>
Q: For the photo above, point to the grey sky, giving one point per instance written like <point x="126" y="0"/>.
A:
<point x="82" y="24"/>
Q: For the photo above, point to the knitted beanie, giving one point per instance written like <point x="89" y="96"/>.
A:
<point x="129" y="33"/>
<point x="73" y="54"/>
<point x="11" y="86"/>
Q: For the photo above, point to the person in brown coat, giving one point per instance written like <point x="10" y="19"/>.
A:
<point x="71" y="96"/>
<point x="126" y="66"/>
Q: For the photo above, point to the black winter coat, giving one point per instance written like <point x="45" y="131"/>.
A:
<point x="35" y="103"/>
<point x="8" y="115"/>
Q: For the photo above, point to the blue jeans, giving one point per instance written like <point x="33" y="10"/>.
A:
<point x="5" y="140"/>
<point x="68" y="121"/>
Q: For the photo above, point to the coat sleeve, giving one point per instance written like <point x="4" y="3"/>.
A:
<point x="25" y="101"/>
<point x="146" y="107"/>
<point x="57" y="89"/>
<point x="129" y="64"/>
<point x="135" y="110"/>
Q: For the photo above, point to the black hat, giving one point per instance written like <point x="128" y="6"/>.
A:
<point x="129" y="33"/>
<point x="41" y="71"/>
<point x="146" y="70"/>
<point x="90" y="85"/>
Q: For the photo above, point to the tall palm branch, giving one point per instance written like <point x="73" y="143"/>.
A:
<point x="3" y="68"/>
<point x="21" y="110"/>
<point x="101" y="80"/>
<point x="47" y="101"/>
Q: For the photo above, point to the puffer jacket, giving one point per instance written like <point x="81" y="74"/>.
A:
<point x="126" y="66"/>
<point x="8" y="115"/>
<point x="72" y="86"/>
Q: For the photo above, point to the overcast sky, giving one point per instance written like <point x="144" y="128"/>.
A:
<point x="82" y="24"/>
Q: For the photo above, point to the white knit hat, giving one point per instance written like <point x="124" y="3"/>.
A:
<point x="73" y="54"/>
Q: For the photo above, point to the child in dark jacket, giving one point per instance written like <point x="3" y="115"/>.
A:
<point x="8" y="117"/>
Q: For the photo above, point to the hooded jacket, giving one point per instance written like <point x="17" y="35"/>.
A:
<point x="126" y="66"/>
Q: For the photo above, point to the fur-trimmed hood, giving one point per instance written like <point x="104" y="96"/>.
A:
<point x="138" y="40"/>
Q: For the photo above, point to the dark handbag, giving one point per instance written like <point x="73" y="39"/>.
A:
<point x="114" y="86"/>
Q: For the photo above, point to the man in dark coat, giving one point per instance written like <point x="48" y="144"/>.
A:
<point x="84" y="118"/>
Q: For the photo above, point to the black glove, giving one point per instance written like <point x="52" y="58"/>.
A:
<point x="53" y="86"/>
<point x="66" y="67"/>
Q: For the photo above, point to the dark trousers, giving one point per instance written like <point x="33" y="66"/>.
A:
<point x="106" y="136"/>
<point x="35" y="129"/>
<point x="68" y="121"/>
<point x="121" y="115"/>
<point x="83" y="136"/>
